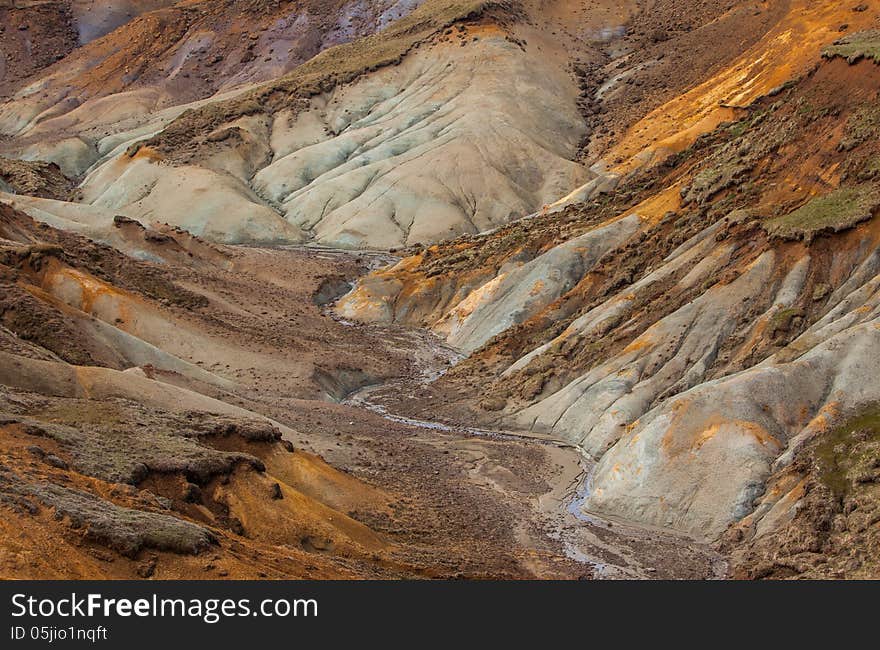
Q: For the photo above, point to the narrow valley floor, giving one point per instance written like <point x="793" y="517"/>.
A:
<point x="535" y="483"/>
<point x="139" y="391"/>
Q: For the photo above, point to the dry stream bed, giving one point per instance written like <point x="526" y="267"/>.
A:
<point x="551" y="514"/>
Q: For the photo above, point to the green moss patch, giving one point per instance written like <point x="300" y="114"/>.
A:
<point x="124" y="530"/>
<point x="871" y="169"/>
<point x="855" y="47"/>
<point x="834" y="212"/>
<point x="863" y="125"/>
<point x="850" y="454"/>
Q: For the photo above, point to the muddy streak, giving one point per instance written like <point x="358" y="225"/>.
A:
<point x="433" y="358"/>
<point x="611" y="549"/>
<point x="575" y="491"/>
<point x="560" y="511"/>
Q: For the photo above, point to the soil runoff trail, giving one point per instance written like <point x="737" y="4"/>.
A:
<point x="612" y="549"/>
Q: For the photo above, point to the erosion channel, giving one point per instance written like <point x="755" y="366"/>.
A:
<point x="550" y="495"/>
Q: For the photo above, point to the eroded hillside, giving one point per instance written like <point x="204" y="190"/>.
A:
<point x="162" y="418"/>
<point x="439" y="288"/>
<point x="695" y="330"/>
<point x="459" y="117"/>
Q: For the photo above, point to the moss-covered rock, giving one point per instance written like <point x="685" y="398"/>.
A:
<point x="855" y="47"/>
<point x="122" y="443"/>
<point x="862" y="125"/>
<point x="850" y="454"/>
<point x="834" y="212"/>
<point x="124" y="530"/>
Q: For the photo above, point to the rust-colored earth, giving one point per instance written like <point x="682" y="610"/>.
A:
<point x="556" y="289"/>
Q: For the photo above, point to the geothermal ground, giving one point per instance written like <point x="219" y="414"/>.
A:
<point x="414" y="499"/>
<point x="439" y="289"/>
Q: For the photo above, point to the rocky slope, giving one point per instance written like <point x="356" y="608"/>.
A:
<point x="642" y="236"/>
<point x="698" y="328"/>
<point x="166" y="413"/>
<point x="392" y="158"/>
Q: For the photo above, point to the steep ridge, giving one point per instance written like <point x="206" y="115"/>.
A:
<point x="377" y="144"/>
<point x="169" y="55"/>
<point x="700" y="355"/>
<point x="100" y="104"/>
<point x="79" y="438"/>
<point x="395" y="159"/>
<point x="33" y="35"/>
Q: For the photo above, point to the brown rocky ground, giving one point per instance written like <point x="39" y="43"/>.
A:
<point x="827" y="509"/>
<point x="126" y="44"/>
<point x="760" y="164"/>
<point x="33" y="36"/>
<point x="34" y="178"/>
<point x="103" y="478"/>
